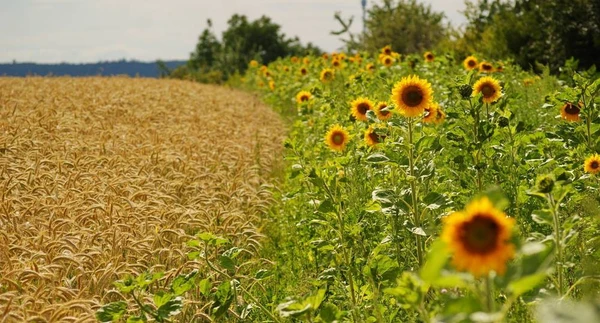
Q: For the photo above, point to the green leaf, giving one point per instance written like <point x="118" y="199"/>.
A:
<point x="227" y="263"/>
<point x="292" y="309"/>
<point x="542" y="217"/>
<point x="525" y="284"/>
<point x="329" y="313"/>
<point x="206" y="236"/>
<point x="377" y="158"/>
<point x="326" y="206"/>
<point x="418" y="231"/>
<point x="434" y="200"/>
<point x="262" y="274"/>
<point x="171" y="308"/>
<point x="205" y="286"/>
<point x="223" y="298"/>
<point x="183" y="283"/>
<point x="436" y="260"/>
<point x="137" y="319"/>
<point x="111" y="312"/>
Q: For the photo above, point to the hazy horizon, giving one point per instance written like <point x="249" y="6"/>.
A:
<point x="86" y="31"/>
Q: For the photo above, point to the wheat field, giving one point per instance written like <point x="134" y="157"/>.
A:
<point x="102" y="177"/>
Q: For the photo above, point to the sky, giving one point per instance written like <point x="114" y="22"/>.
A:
<point x="80" y="31"/>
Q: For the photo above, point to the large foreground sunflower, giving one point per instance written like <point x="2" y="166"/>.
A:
<point x="570" y="112"/>
<point x="478" y="238"/>
<point x="337" y="138"/>
<point x="327" y="75"/>
<point x="470" y="63"/>
<point x="360" y="107"/>
<point x="592" y="164"/>
<point x="412" y="95"/>
<point x="489" y="88"/>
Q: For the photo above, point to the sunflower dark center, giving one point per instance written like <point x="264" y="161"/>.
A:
<point x="572" y="109"/>
<point x="487" y="67"/>
<point x="471" y="63"/>
<point x="304" y="98"/>
<point x="488" y="90"/>
<point x="338" y="138"/>
<point x="363" y="108"/>
<point x="374" y="137"/>
<point x="412" y="96"/>
<point x="480" y="235"/>
<point x="383" y="113"/>
<point x="303" y="71"/>
<point x="388" y="61"/>
<point x="430" y="57"/>
<point x="595" y="164"/>
<point x="327" y="75"/>
<point x="388" y="51"/>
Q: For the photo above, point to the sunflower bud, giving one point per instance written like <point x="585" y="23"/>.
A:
<point x="465" y="91"/>
<point x="545" y="184"/>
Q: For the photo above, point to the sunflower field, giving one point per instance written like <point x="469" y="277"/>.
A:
<point x="424" y="189"/>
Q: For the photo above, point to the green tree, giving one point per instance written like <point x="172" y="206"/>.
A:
<point x="407" y="25"/>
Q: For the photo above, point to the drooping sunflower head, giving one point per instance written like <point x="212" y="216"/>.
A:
<point x="303" y="96"/>
<point x="327" y="75"/>
<point x="380" y="112"/>
<point x="359" y="108"/>
<point x="570" y="112"/>
<point x="412" y="95"/>
<point x="470" y="63"/>
<point x="489" y="88"/>
<point x="337" y="138"/>
<point x="478" y="238"/>
<point x="592" y="164"/>
<point x="486" y="67"/>
<point x="429" y="57"/>
<point x="387" y="50"/>
<point x="372" y="137"/>
<point x="430" y="113"/>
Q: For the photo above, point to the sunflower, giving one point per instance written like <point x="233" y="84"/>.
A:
<point x="412" y="95"/>
<point x="303" y="71"/>
<point x="478" y="238"/>
<point x="387" y="61"/>
<point x="272" y="85"/>
<point x="294" y="59"/>
<point x="387" y="50"/>
<point x="370" y="67"/>
<point x="489" y="88"/>
<point x="486" y="67"/>
<point x="360" y="107"/>
<point x="431" y="113"/>
<point x="337" y="138"/>
<point x="470" y="63"/>
<point x="337" y="63"/>
<point x="306" y="60"/>
<point x="372" y="138"/>
<point x="592" y="164"/>
<point x="500" y="68"/>
<point x="428" y="57"/>
<point x="286" y="68"/>
<point x="570" y="112"/>
<point x="303" y="96"/>
<point x="253" y="63"/>
<point x="382" y="115"/>
<point x="440" y="116"/>
<point x="327" y="75"/>
<point x="325" y="56"/>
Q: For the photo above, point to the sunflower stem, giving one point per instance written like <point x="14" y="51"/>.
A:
<point x="489" y="293"/>
<point x="413" y="187"/>
<point x="558" y="242"/>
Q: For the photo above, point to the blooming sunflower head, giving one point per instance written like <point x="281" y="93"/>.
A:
<point x="360" y="107"/>
<point x="303" y="71"/>
<point x="337" y="138"/>
<point x="431" y="113"/>
<point x="470" y="63"/>
<point x="387" y="50"/>
<point x="592" y="164"/>
<point x="478" y="238"/>
<point x="325" y="56"/>
<point x="429" y="57"/>
<point x="305" y="60"/>
<point x="440" y="116"/>
<point x="370" y="67"/>
<point x="412" y="95"/>
<point x="486" y="67"/>
<point x="327" y="75"/>
<point x="387" y="60"/>
<point x="303" y="96"/>
<point x="373" y="138"/>
<point x="294" y="59"/>
<point x="253" y="63"/>
<point x="570" y="112"/>
<point x="381" y="112"/>
<point x="336" y="63"/>
<point x="489" y="88"/>
<point x="272" y="85"/>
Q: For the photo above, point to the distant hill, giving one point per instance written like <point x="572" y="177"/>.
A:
<point x="131" y="68"/>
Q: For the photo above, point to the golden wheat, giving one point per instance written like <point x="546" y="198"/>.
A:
<point x="101" y="177"/>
